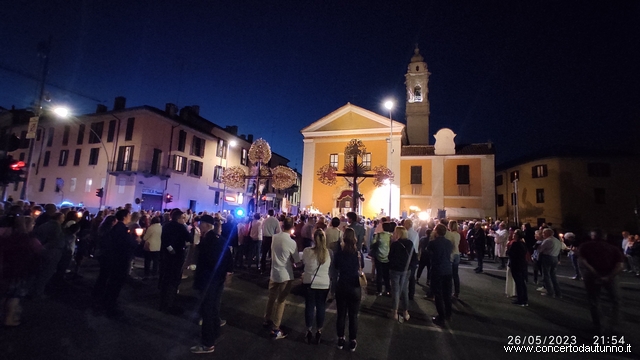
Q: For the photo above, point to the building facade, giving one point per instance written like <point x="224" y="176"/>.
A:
<point x="444" y="179"/>
<point x="141" y="155"/>
<point x="572" y="192"/>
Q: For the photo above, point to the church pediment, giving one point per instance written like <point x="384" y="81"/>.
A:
<point x="348" y="119"/>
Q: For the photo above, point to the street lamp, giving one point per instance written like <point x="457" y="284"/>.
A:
<point x="389" y="106"/>
<point x="230" y="144"/>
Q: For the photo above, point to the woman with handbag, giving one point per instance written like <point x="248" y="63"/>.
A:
<point x="400" y="257"/>
<point x="348" y="288"/>
<point x="316" y="280"/>
<point x="151" y="239"/>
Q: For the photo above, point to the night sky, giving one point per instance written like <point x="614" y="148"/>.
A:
<point x="527" y="75"/>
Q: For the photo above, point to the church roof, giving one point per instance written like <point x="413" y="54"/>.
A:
<point x="461" y="149"/>
<point x="349" y="119"/>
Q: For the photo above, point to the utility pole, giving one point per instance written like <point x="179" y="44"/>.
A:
<point x="44" y="49"/>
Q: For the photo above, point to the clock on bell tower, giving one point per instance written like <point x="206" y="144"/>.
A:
<point x="417" y="110"/>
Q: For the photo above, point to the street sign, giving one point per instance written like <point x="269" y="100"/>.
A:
<point x="33" y="127"/>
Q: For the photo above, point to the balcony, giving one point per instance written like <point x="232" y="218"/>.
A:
<point x="145" y="168"/>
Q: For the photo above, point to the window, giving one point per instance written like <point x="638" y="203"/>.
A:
<point x="333" y="161"/>
<point x="499" y="180"/>
<point x="21" y="157"/>
<point x="42" y="183"/>
<point x="217" y="173"/>
<point x="76" y="157"/>
<point x="112" y="131"/>
<point x="129" y="134"/>
<point x="47" y="157"/>
<point x="125" y="158"/>
<point x="540" y="196"/>
<point x="222" y="149"/>
<point x="179" y="163"/>
<point x="463" y="175"/>
<point x="38" y="134"/>
<point x="195" y="168"/>
<point x="599" y="169"/>
<point x="93" y="156"/>
<point x="155" y="163"/>
<point x="72" y="184"/>
<point x="197" y="146"/>
<point x="599" y="195"/>
<point x="50" y="137"/>
<point x="539" y="171"/>
<point x="243" y="158"/>
<point x="81" y="133"/>
<point x="182" y="140"/>
<point x="514" y="200"/>
<point x="366" y="161"/>
<point x="65" y="135"/>
<point x="88" y="184"/>
<point x="95" y="136"/>
<point x="216" y="198"/>
<point x="416" y="175"/>
<point x="64" y="156"/>
<point x="500" y="200"/>
<point x="515" y="175"/>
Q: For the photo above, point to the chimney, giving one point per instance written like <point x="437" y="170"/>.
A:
<point x="101" y="108"/>
<point x="120" y="103"/>
<point x="171" y="109"/>
<point x="232" y="129"/>
<point x="250" y="138"/>
<point x="184" y="112"/>
<point x="243" y="137"/>
<point x="195" y="109"/>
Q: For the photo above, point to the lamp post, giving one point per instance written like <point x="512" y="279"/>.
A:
<point x="389" y="106"/>
<point x="230" y="144"/>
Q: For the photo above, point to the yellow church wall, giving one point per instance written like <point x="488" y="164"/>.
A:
<point x="405" y="176"/>
<point x="463" y="203"/>
<point x="451" y="176"/>
<point x="324" y="197"/>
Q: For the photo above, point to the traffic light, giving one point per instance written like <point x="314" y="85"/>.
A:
<point x="100" y="192"/>
<point x="11" y="170"/>
<point x="168" y="198"/>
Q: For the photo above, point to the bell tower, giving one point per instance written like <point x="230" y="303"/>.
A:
<point x="417" y="110"/>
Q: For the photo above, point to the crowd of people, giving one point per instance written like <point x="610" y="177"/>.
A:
<point x="41" y="247"/>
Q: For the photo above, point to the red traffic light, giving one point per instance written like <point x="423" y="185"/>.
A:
<point x="17" y="166"/>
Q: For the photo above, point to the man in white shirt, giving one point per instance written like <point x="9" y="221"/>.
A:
<point x="284" y="253"/>
<point x="270" y="227"/>
<point x="255" y="232"/>
<point x="548" y="257"/>
<point x="501" y="236"/>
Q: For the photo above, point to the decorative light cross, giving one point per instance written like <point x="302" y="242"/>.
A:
<point x="354" y="172"/>
<point x="282" y="177"/>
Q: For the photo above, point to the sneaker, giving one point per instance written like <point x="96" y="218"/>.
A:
<point x="201" y="349"/>
<point x="541" y="288"/>
<point x="352" y="345"/>
<point x="278" y="334"/>
<point x="340" y="343"/>
<point x="576" y="278"/>
<point x="223" y="322"/>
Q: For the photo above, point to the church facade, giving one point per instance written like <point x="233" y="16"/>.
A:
<point x="444" y="179"/>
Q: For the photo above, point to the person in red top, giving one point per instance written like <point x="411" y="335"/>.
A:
<point x="600" y="263"/>
<point x="463" y="247"/>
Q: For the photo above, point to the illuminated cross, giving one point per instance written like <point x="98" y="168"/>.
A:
<point x="355" y="172"/>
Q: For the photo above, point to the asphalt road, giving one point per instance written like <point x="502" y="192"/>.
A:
<point x="64" y="326"/>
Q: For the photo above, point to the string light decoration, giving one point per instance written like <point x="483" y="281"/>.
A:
<point x="327" y="175"/>
<point x="234" y="177"/>
<point x="283" y="177"/>
<point x="260" y="151"/>
<point x="381" y="174"/>
<point x="354" y="147"/>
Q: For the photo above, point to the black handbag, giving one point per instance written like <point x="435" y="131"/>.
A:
<point x="373" y="251"/>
